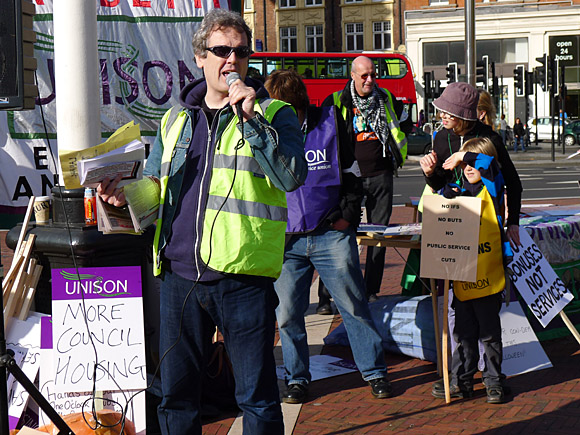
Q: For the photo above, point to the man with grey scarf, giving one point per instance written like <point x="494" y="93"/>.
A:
<point x="377" y="123"/>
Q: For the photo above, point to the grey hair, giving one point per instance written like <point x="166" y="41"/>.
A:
<point x="217" y="19"/>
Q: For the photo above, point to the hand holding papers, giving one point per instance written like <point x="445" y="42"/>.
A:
<point x="141" y="210"/>
<point x="126" y="161"/>
<point x="121" y="138"/>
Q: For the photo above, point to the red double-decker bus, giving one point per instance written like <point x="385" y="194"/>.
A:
<point x="325" y="73"/>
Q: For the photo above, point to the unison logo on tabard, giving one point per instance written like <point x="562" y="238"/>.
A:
<point x="317" y="160"/>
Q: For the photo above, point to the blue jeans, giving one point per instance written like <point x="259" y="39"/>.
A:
<point x="243" y="309"/>
<point x="334" y="255"/>
<point x="378" y="192"/>
<point x="518" y="140"/>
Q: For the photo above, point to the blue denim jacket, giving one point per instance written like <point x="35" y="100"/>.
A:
<point x="277" y="147"/>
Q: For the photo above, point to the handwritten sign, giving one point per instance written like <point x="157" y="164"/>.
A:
<point x="70" y="402"/>
<point x="23" y="336"/>
<point x="522" y="352"/>
<point x="544" y="292"/>
<point x="100" y="307"/>
<point x="449" y="238"/>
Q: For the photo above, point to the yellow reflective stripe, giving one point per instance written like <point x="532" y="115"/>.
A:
<point x="392" y="120"/>
<point x="242" y="163"/>
<point x="337" y="103"/>
<point x="248" y="208"/>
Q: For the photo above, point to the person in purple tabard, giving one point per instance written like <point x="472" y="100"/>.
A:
<point x="323" y="216"/>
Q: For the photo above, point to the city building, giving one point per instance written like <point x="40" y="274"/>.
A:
<point x="510" y="33"/>
<point x="431" y="33"/>
<point x="324" y="25"/>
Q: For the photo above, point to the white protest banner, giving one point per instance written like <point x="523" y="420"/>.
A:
<point x="23" y="334"/>
<point x="322" y="367"/>
<point x="145" y="60"/>
<point x="522" y="352"/>
<point x="71" y="402"/>
<point x="450" y="237"/>
<point x="536" y="281"/>
<point x="109" y="298"/>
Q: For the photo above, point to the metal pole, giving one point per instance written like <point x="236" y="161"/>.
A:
<point x="265" y="27"/>
<point x="536" y="102"/>
<point x="470" y="41"/>
<point x="76" y="67"/>
<point x="552" y="108"/>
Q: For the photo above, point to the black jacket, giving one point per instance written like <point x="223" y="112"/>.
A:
<point x="446" y="142"/>
<point x="346" y="99"/>
<point x="519" y="130"/>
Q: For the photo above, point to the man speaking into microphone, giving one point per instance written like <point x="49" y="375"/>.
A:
<point x="219" y="241"/>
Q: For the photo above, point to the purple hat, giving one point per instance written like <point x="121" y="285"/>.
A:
<point x="460" y="100"/>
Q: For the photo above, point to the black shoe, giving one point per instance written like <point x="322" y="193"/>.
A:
<point x="296" y="393"/>
<point x="372" y="298"/>
<point x="324" y="310"/>
<point x="507" y="391"/>
<point x="381" y="388"/>
<point x="495" y="394"/>
<point x="455" y="391"/>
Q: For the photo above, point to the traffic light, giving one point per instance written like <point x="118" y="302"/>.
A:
<point x="437" y="91"/>
<point x="427" y="84"/>
<point x="17" y="62"/>
<point x="451" y="72"/>
<point x="529" y="83"/>
<point x="555" y="76"/>
<point x="494" y="83"/>
<point x="542" y="72"/>
<point x="520" y="80"/>
<point x="482" y="71"/>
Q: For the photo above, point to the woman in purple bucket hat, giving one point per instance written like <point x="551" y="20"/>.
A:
<point x="457" y="108"/>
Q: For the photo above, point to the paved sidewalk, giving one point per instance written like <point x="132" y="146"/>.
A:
<point x="546" y="401"/>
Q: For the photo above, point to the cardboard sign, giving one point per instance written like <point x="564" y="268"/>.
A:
<point x="71" y="402"/>
<point x="100" y="307"/>
<point x="544" y="292"/>
<point x="23" y="334"/>
<point x="450" y="237"/>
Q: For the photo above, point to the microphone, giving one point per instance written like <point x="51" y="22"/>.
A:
<point x="232" y="77"/>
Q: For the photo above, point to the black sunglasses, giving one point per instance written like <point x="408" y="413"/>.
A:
<point x="366" y="76"/>
<point x="224" y="51"/>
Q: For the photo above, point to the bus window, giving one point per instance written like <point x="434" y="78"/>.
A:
<point x="256" y="66"/>
<point x="392" y="68"/>
<point x="303" y="66"/>
<point x="273" y="64"/>
<point x="332" y="68"/>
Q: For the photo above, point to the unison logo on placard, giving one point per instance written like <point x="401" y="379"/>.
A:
<point x="92" y="284"/>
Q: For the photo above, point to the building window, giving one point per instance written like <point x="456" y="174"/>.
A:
<point x="354" y="36"/>
<point x="382" y="35"/>
<point x="314" y="39"/>
<point x="288" y="40"/>
<point x="509" y="50"/>
<point x="248" y="6"/>
<point x="438" y="2"/>
<point x="353" y="1"/>
<point x="287" y="3"/>
<point x="313" y="2"/>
